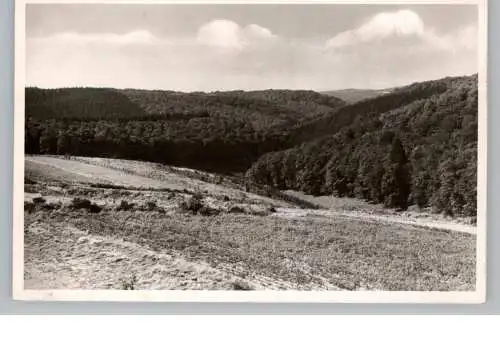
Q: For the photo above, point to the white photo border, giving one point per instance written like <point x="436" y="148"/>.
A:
<point x="478" y="296"/>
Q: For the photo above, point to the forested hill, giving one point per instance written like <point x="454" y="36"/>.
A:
<point x="280" y="105"/>
<point x="79" y="103"/>
<point x="414" y="146"/>
<point x="220" y="131"/>
<point x="274" y="106"/>
<point x="369" y="108"/>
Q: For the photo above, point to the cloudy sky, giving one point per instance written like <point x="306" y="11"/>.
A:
<point x="223" y="47"/>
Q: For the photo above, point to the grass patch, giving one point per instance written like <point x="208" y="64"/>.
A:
<point x="349" y="253"/>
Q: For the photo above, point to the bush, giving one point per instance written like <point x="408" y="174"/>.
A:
<point x="39" y="203"/>
<point x="80" y="203"/>
<point x="29" y="181"/>
<point x="193" y="204"/>
<point x="51" y="206"/>
<point x="31" y="188"/>
<point x="39" y="200"/>
<point x="128" y="283"/>
<point x="29" y="207"/>
<point x="240" y="285"/>
<point x="207" y="211"/>
<point x="125" y="206"/>
<point x="83" y="203"/>
<point x="236" y="210"/>
<point x="150" y="206"/>
<point x="225" y="198"/>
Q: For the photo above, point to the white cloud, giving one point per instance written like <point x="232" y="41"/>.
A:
<point x="258" y="32"/>
<point x="229" y="35"/>
<point x="382" y="26"/>
<point x="221" y="33"/>
<point x="136" y="37"/>
<point x="405" y="29"/>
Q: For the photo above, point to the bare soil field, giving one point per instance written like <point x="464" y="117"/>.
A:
<point x="116" y="224"/>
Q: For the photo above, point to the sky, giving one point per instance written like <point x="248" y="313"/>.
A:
<point x="247" y="47"/>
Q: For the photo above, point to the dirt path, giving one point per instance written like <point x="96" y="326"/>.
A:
<point x="291" y="213"/>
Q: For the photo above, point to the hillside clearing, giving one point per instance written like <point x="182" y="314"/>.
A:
<point x="164" y="246"/>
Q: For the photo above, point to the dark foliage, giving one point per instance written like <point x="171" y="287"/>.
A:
<point x="368" y="108"/>
<point x="125" y="206"/>
<point x="414" y="145"/>
<point x="221" y="132"/>
<point x="192" y="204"/>
<point x="236" y="210"/>
<point x="423" y="153"/>
<point x="29" y="207"/>
<point x="39" y="200"/>
<point x="82" y="203"/>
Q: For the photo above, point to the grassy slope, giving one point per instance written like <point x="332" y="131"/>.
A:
<point x="261" y="250"/>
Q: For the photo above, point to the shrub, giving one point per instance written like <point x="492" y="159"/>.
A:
<point x="240" y="285"/>
<point x="31" y="188"/>
<point x="128" y="283"/>
<point x="225" y="198"/>
<point x="150" y="206"/>
<point x="236" y="210"/>
<point x="39" y="200"/>
<point x="207" y="211"/>
<point x="193" y="204"/>
<point x="29" y="207"/>
<point x="272" y="209"/>
<point x="51" y="206"/>
<point x="83" y="203"/>
<point x="29" y="181"/>
<point x="125" y="206"/>
<point x="80" y="203"/>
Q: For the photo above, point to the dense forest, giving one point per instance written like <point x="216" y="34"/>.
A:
<point x="221" y="131"/>
<point x="414" y="145"/>
<point x="422" y="153"/>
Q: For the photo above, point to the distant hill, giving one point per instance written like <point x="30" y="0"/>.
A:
<point x="354" y="95"/>
<point x="273" y="106"/>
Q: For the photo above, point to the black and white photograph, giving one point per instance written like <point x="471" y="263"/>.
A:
<point x="250" y="151"/>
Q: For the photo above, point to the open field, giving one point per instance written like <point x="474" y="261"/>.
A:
<point x="145" y="233"/>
